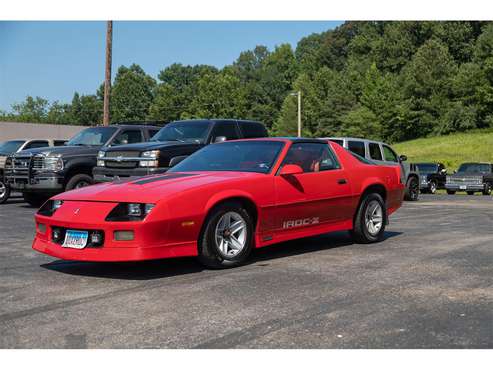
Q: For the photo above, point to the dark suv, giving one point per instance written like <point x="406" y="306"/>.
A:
<point x="170" y="145"/>
<point x="42" y="172"/>
<point x="432" y="176"/>
<point x="471" y="178"/>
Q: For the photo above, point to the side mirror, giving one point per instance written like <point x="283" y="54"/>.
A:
<point x="444" y="171"/>
<point x="291" y="169"/>
<point x="220" y="139"/>
<point x="455" y="171"/>
<point x="402" y="158"/>
<point x="175" y="160"/>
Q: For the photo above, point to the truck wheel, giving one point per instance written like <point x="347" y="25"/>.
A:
<point x="227" y="239"/>
<point x="433" y="187"/>
<point x="369" y="223"/>
<point x="35" y="200"/>
<point x="470" y="193"/>
<point x="487" y="189"/>
<point x="4" y="192"/>
<point x="79" y="181"/>
<point x="412" y="189"/>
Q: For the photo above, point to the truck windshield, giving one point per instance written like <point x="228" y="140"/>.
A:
<point x="427" y="167"/>
<point x="92" y="136"/>
<point x="186" y="131"/>
<point x="11" y="146"/>
<point x="251" y="156"/>
<point x="474" y="167"/>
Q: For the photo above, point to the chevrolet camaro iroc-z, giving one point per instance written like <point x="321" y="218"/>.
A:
<point x="223" y="201"/>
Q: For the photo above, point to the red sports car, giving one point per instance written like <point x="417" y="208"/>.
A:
<point x="221" y="202"/>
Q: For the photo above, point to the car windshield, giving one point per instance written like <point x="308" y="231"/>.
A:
<point x="244" y="156"/>
<point x="427" y="167"/>
<point x="92" y="136"/>
<point x="11" y="146"/>
<point x="474" y="167"/>
<point x="186" y="131"/>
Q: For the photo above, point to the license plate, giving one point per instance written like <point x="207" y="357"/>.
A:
<point x="75" y="239"/>
<point x="463" y="187"/>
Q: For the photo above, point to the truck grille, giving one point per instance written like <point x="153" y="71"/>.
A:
<point x="465" y="180"/>
<point x="37" y="163"/>
<point x="123" y="154"/>
<point x="21" y="165"/>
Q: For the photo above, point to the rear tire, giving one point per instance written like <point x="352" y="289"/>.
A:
<point x="220" y="244"/>
<point x="412" y="189"/>
<point x="369" y="222"/>
<point x="79" y="181"/>
<point x="4" y="192"/>
<point x="450" y="192"/>
<point x="487" y="189"/>
<point x="35" y="200"/>
<point x="470" y="193"/>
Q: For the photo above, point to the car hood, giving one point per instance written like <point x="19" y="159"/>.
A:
<point x="152" y="189"/>
<point x="61" y="150"/>
<point x="142" y="147"/>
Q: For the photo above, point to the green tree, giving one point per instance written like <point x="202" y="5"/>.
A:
<point x="31" y="110"/>
<point x="132" y="94"/>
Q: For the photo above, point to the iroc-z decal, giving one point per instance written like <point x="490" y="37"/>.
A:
<point x="301" y="222"/>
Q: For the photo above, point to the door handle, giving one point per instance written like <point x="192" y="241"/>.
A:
<point x="342" y="181"/>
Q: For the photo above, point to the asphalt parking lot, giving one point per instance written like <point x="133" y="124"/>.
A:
<point x="428" y="285"/>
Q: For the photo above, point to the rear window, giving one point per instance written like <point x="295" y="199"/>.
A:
<point x="375" y="152"/>
<point x="59" y="142"/>
<point x="252" y="129"/>
<point x="357" y="147"/>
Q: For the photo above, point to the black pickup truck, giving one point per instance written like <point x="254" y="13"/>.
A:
<point x="432" y="176"/>
<point x="171" y="144"/>
<point x="42" y="172"/>
<point x="471" y="178"/>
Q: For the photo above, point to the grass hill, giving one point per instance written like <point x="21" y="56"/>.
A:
<point x="451" y="150"/>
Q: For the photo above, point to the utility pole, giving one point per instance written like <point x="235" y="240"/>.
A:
<point x="298" y="94"/>
<point x="107" y="74"/>
<point x="299" y="113"/>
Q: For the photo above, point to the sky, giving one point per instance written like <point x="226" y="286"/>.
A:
<point x="55" y="59"/>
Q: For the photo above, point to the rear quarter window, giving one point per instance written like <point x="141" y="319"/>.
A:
<point x="375" y="152"/>
<point x="252" y="129"/>
<point x="357" y="147"/>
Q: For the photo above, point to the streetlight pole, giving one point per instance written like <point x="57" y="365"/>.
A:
<point x="298" y="94"/>
<point x="107" y="75"/>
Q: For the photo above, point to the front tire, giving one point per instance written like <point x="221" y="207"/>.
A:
<point x="487" y="189"/>
<point x="412" y="189"/>
<point x="369" y="222"/>
<point x="470" y="193"/>
<point x="4" y="192"/>
<point x="450" y="192"/>
<point x="433" y="187"/>
<point x="79" y="181"/>
<point x="227" y="237"/>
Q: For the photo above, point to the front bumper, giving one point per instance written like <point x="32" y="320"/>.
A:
<point x="51" y="183"/>
<point x="104" y="174"/>
<point x="152" y="239"/>
<point x="464" y="187"/>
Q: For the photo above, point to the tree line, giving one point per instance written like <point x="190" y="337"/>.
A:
<point x="383" y="80"/>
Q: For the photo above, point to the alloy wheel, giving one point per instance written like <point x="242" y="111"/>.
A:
<point x="374" y="217"/>
<point x="231" y="234"/>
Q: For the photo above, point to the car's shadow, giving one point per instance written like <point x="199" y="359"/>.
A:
<point x="158" y="269"/>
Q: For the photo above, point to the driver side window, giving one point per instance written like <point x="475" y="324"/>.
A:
<point x="311" y="157"/>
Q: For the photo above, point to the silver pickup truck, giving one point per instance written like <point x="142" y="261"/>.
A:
<point x="13" y="146"/>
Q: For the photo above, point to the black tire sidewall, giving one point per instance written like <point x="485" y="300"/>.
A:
<point x="360" y="231"/>
<point x="6" y="196"/>
<point x="409" y="193"/>
<point x="208" y="251"/>
<point x="72" y="182"/>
